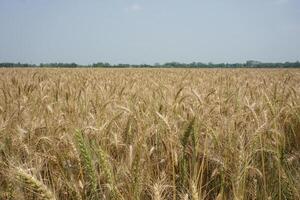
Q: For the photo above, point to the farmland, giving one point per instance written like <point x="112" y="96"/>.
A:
<point x="150" y="134"/>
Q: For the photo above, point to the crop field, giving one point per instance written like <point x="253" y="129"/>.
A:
<point x="135" y="134"/>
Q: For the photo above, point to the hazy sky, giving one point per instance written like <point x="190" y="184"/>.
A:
<point x="149" y="31"/>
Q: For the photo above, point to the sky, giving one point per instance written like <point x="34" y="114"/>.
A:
<point x="149" y="31"/>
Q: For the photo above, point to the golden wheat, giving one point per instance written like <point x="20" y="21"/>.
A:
<point x="162" y="134"/>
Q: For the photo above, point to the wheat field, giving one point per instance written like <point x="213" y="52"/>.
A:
<point x="150" y="134"/>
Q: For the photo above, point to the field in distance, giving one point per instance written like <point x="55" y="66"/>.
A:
<point x="224" y="134"/>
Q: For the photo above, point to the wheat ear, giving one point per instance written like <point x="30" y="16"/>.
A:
<point x="32" y="184"/>
<point x="87" y="167"/>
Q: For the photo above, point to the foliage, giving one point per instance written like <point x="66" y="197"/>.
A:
<point x="248" y="64"/>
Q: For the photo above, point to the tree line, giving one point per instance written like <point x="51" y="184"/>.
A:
<point x="248" y="64"/>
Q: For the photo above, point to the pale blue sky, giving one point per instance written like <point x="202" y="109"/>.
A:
<point x="149" y="31"/>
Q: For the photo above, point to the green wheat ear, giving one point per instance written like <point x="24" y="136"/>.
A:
<point x="11" y="191"/>
<point x="189" y="132"/>
<point x="87" y="167"/>
<point x="34" y="185"/>
<point x="105" y="166"/>
<point x="136" y="173"/>
<point x="184" y="161"/>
